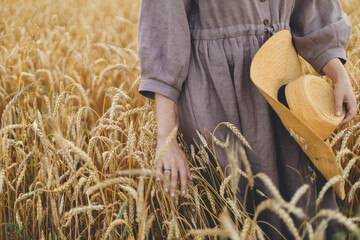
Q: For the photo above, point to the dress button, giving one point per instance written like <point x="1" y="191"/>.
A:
<point x="266" y="22"/>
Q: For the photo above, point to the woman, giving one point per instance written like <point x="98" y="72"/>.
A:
<point x="195" y="59"/>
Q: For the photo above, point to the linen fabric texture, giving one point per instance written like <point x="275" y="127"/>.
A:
<point x="198" y="53"/>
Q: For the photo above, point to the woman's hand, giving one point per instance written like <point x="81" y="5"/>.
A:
<point x="173" y="163"/>
<point x="343" y="90"/>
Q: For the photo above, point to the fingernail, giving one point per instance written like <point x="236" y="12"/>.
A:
<point x="166" y="189"/>
<point x="172" y="194"/>
<point x="338" y="113"/>
<point x="183" y="192"/>
<point x="157" y="178"/>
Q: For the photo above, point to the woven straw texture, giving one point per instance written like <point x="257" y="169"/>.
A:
<point x="310" y="118"/>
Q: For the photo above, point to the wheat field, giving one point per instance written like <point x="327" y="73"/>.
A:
<point x="77" y="141"/>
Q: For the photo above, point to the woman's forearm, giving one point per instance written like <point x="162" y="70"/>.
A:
<point x="165" y="115"/>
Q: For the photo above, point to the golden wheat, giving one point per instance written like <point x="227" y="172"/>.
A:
<point x="78" y="143"/>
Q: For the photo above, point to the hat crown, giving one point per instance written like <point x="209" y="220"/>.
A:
<point x="312" y="100"/>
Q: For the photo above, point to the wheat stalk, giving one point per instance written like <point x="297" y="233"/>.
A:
<point x="329" y="184"/>
<point x="2" y="179"/>
<point x="276" y="208"/>
<point x="107" y="183"/>
<point x="208" y="232"/>
<point x="66" y="219"/>
<point x="12" y="102"/>
<point x="229" y="226"/>
<point x="245" y="229"/>
<point x="352" y="191"/>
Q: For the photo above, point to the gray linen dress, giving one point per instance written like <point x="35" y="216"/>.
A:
<point x="198" y="53"/>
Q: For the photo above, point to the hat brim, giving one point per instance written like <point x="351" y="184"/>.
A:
<point x="275" y="65"/>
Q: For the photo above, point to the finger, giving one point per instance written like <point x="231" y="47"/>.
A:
<point x="339" y="100"/>
<point x="174" y="176"/>
<point x="158" y="170"/>
<point x="188" y="172"/>
<point x="351" y="107"/>
<point x="167" y="175"/>
<point x="183" y="179"/>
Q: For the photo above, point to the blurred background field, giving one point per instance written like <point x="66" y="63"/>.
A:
<point x="71" y="119"/>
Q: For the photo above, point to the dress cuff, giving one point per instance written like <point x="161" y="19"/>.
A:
<point x="321" y="60"/>
<point x="148" y="88"/>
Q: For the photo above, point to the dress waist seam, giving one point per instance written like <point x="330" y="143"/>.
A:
<point x="236" y="31"/>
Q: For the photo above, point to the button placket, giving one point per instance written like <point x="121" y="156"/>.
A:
<point x="265" y="12"/>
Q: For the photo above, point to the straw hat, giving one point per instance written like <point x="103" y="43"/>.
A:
<point x="310" y="116"/>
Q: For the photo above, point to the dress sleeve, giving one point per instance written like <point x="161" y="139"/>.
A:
<point x="163" y="47"/>
<point x="321" y="31"/>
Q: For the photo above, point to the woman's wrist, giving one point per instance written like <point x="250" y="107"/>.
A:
<point x="165" y="116"/>
<point x="335" y="70"/>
